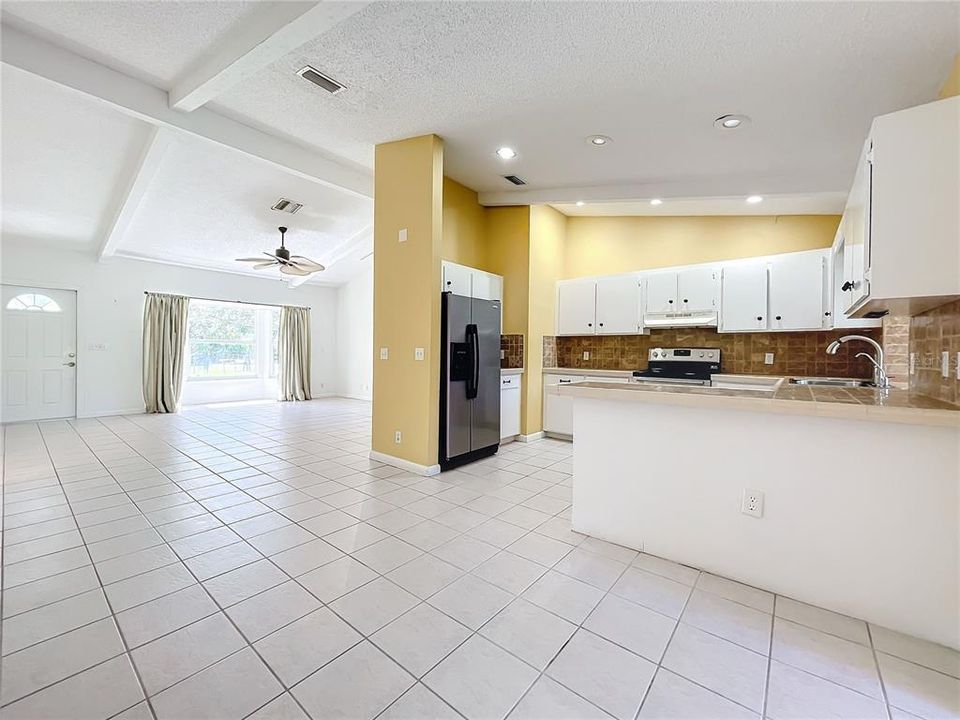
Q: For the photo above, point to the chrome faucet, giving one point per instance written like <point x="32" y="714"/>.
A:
<point x="880" y="378"/>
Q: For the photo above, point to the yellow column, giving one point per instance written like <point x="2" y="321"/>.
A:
<point x="408" y="202"/>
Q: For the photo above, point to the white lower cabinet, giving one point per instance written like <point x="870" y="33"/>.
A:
<point x="557" y="409"/>
<point x="509" y="406"/>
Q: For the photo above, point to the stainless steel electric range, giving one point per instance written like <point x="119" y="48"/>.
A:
<point x="679" y="366"/>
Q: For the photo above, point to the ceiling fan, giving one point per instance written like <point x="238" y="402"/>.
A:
<point x="289" y="264"/>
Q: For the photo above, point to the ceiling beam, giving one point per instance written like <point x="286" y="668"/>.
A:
<point x="144" y="170"/>
<point x="148" y="103"/>
<point x="262" y="39"/>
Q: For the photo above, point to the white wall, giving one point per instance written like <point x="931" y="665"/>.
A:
<point x="355" y="335"/>
<point x="110" y="312"/>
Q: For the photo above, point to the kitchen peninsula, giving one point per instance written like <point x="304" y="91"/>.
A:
<point x="852" y="483"/>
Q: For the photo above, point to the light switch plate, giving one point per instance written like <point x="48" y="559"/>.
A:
<point x="768" y="359"/>
<point x="384" y="353"/>
<point x="945" y="364"/>
<point x="418" y="353"/>
<point x="503" y="354"/>
<point x="402" y="235"/>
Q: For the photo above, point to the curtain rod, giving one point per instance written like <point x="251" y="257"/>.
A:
<point x="241" y="302"/>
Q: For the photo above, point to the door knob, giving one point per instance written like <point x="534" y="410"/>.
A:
<point x="70" y="364"/>
<point x="71" y="355"/>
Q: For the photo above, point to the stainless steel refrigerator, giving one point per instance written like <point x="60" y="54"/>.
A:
<point x="469" y="379"/>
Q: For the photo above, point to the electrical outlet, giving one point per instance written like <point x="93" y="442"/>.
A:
<point x="768" y="359"/>
<point x="913" y="363"/>
<point x="503" y="354"/>
<point x="398" y="437"/>
<point x="945" y="364"/>
<point x="418" y="353"/>
<point x="752" y="503"/>
<point x="586" y="354"/>
<point x="384" y="353"/>
<point x="958" y="366"/>
<point x="402" y="235"/>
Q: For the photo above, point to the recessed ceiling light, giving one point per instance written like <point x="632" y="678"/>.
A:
<point x="598" y="140"/>
<point x="580" y="203"/>
<point x="731" y="122"/>
<point x="506" y="153"/>
<point x="754" y="199"/>
<point x="656" y="201"/>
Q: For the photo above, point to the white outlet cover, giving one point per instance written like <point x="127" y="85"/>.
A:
<point x="418" y="353"/>
<point x="768" y="359"/>
<point x="752" y="503"/>
<point x="402" y="235"/>
<point x="384" y="353"/>
<point x="913" y="363"/>
<point x="945" y="364"/>
<point x="398" y="437"/>
<point x="586" y="354"/>
<point x="958" y="366"/>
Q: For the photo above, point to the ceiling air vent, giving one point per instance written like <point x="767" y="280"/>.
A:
<point x="320" y="80"/>
<point x="287" y="206"/>
<point x="514" y="179"/>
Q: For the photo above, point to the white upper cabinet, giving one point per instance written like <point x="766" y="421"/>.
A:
<point x="457" y="279"/>
<point x="836" y="303"/>
<point x="470" y="282"/>
<point x="576" y="307"/>
<point x="743" y="297"/>
<point x="902" y="228"/>
<point x="661" y="292"/>
<point x="618" y="305"/>
<point x="697" y="290"/>
<point x="797" y="291"/>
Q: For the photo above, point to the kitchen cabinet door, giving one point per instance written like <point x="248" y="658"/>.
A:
<point x="796" y="291"/>
<point x="743" y="297"/>
<point x="662" y="292"/>
<point x="576" y="307"/>
<point x="509" y="406"/>
<point x="618" y="305"/>
<point x="856" y="231"/>
<point x="558" y="409"/>
<point x="457" y="279"/>
<point x="697" y="289"/>
<point x="487" y="286"/>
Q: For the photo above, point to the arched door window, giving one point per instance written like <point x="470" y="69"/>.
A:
<point x="34" y="302"/>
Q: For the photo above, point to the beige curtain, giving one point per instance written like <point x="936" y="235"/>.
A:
<point x="164" y="338"/>
<point x="294" y="353"/>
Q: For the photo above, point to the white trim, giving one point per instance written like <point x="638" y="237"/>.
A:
<point x="531" y="437"/>
<point x="148" y="103"/>
<point x="271" y="34"/>
<point x="556" y="436"/>
<point x="405" y="464"/>
<point x="111" y="413"/>
<point x="351" y="396"/>
<point x="144" y="170"/>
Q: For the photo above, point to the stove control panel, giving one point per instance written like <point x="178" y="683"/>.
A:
<point x="711" y="355"/>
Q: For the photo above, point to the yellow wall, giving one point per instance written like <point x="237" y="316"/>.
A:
<point x="548" y="243"/>
<point x="464" y="226"/>
<point x="507" y="248"/>
<point x="408" y="193"/>
<point x="607" y="245"/>
<point x="952" y="86"/>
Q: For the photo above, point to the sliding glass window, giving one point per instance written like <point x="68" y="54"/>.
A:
<point x="231" y="341"/>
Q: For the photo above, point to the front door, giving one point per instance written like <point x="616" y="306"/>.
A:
<point x="38" y="352"/>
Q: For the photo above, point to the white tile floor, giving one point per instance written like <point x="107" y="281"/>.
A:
<point x="250" y="561"/>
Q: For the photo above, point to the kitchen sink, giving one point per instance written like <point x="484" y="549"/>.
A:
<point x="832" y="382"/>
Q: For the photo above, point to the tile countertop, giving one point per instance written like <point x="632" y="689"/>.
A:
<point x="588" y="373"/>
<point x="898" y="406"/>
<point x="511" y="371"/>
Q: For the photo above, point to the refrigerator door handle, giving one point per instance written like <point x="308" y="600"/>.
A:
<point x="473" y="379"/>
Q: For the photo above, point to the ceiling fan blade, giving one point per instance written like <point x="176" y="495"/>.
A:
<point x="293" y="270"/>
<point x="253" y="260"/>
<point x="306" y="263"/>
<point x="260" y="266"/>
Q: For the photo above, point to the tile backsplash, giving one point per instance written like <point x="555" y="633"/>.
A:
<point x="511" y="347"/>
<point x="794" y="353"/>
<point x="932" y="333"/>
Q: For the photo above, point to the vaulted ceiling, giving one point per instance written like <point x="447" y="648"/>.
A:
<point x="83" y="165"/>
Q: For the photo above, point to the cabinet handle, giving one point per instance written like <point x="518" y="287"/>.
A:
<point x="670" y="301"/>
<point x="589" y="324"/>
<point x="601" y="324"/>
<point x="827" y="313"/>
<point x="779" y="318"/>
<point x="847" y="286"/>
<point x="685" y="300"/>
<point x="759" y="317"/>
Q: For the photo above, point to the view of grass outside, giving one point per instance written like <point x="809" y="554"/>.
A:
<point x="222" y="341"/>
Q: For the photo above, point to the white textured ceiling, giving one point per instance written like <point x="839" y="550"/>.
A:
<point x="155" y="41"/>
<point x="541" y="76"/>
<point x="207" y="206"/>
<point x="64" y="160"/>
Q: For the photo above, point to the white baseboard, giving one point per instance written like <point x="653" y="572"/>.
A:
<point x="355" y="397"/>
<point x="111" y="413"/>
<point x="557" y="436"/>
<point x="404" y="464"/>
<point x="531" y="437"/>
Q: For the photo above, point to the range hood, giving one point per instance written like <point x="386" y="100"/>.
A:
<point x="707" y="318"/>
